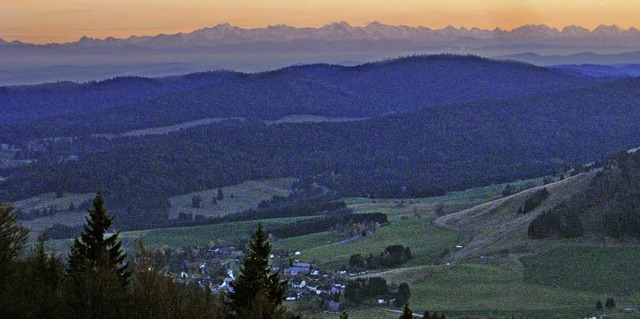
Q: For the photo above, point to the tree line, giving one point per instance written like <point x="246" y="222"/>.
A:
<point x="98" y="280"/>
<point x="392" y="256"/>
<point x="614" y="197"/>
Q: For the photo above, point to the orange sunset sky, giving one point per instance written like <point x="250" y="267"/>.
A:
<point x="45" y="21"/>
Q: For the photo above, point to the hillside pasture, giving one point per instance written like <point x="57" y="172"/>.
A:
<point x="237" y="198"/>
<point x="436" y="206"/>
<point x="309" y="118"/>
<point x="45" y="201"/>
<point x="49" y="199"/>
<point x="310" y="241"/>
<point x="466" y="289"/>
<point x="607" y="270"/>
<point x="426" y="241"/>
<point x="499" y="229"/>
<point x="218" y="234"/>
<point x="168" y="129"/>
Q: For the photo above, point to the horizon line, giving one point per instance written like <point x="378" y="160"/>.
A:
<point x="461" y="27"/>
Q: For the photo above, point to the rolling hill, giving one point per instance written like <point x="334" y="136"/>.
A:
<point x="499" y="230"/>
<point x="487" y="122"/>
<point x="373" y="89"/>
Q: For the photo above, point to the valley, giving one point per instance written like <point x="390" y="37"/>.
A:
<point x="489" y="188"/>
<point x="476" y="259"/>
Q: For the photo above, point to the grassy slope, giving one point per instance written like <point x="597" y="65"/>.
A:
<point x="50" y="199"/>
<point x="555" y="283"/>
<point x="203" y="235"/>
<point x="497" y="227"/>
<point x="411" y="225"/>
<point x="425" y="240"/>
<point x="307" y="242"/>
<point x="245" y="196"/>
<point x="598" y="269"/>
<point x="47" y="200"/>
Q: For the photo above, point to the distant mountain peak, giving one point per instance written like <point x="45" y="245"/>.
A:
<point x="574" y="30"/>
<point x="339" y="24"/>
<point x="224" y="25"/>
<point x="537" y="30"/>
<point x="608" y="30"/>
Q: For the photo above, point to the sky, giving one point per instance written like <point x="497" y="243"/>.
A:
<point x="47" y="21"/>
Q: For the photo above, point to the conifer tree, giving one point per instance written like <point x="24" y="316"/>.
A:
<point x="257" y="293"/>
<point x="40" y="294"/>
<point x="93" y="252"/>
<point x="406" y="312"/>
<point x="404" y="293"/>
<point x="610" y="303"/>
<point x="97" y="270"/>
<point x="13" y="237"/>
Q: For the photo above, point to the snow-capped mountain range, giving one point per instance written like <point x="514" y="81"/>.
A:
<point x="224" y="34"/>
<point x="259" y="49"/>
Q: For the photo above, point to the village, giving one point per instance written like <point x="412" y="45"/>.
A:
<point x="214" y="268"/>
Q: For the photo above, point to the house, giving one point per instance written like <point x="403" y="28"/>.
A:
<point x="385" y="301"/>
<point x="226" y="285"/>
<point x="324" y="289"/>
<point x="298" y="283"/>
<point x="291" y="296"/>
<point x="301" y="264"/>
<point x="294" y="271"/>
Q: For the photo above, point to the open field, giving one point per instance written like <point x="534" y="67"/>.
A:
<point x="245" y="196"/>
<point x="467" y="289"/>
<point x="44" y="201"/>
<point x="433" y="206"/>
<point x="49" y="199"/>
<point x="168" y="129"/>
<point x="411" y="226"/>
<point x="218" y="234"/>
<point x="309" y="118"/>
<point x="237" y="198"/>
<point x="425" y="240"/>
<point x="598" y="269"/>
<point x="499" y="229"/>
<point x="307" y="241"/>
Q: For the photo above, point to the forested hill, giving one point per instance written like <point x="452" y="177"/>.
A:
<point x="418" y="153"/>
<point x="35" y="102"/>
<point x="609" y="205"/>
<point x="388" y="87"/>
